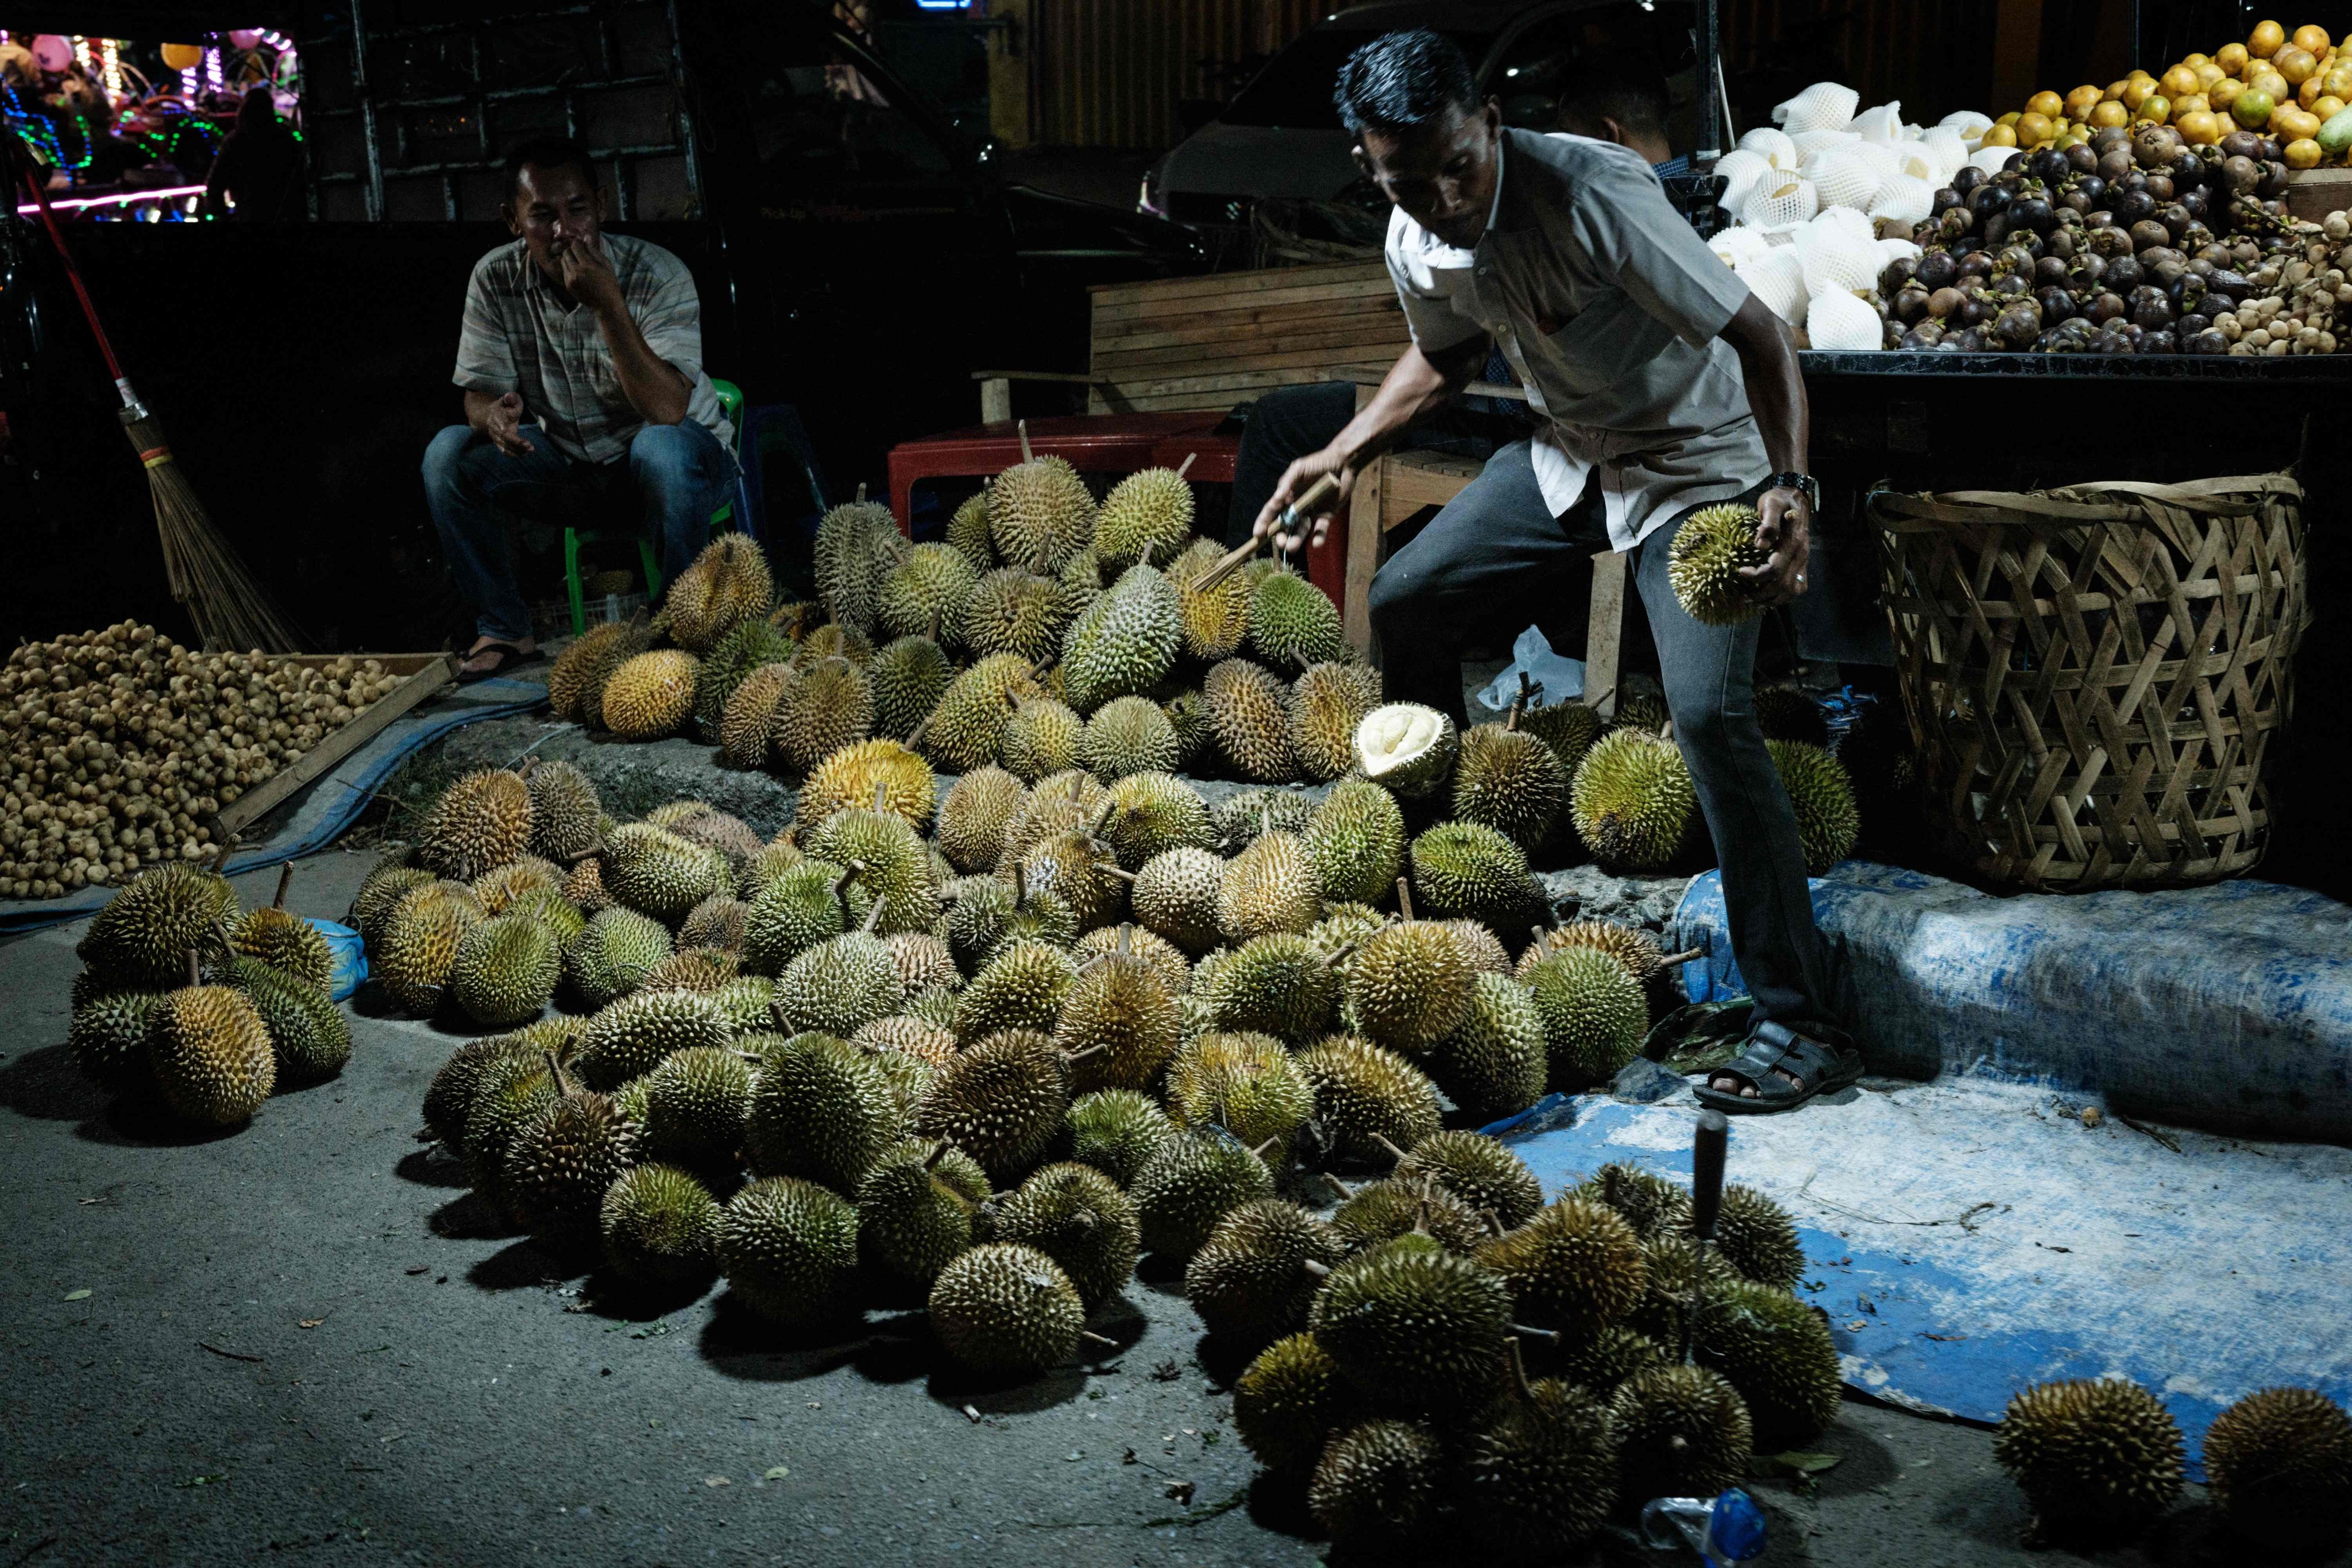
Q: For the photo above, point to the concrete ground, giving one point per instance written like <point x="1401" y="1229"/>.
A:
<point x="304" y="1339"/>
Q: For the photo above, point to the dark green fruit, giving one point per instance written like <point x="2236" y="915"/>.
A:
<point x="1006" y="1309"/>
<point x="1682" y="1431"/>
<point x="789" y="1248"/>
<point x="660" y="1225"/>
<point x="1377" y="1482"/>
<point x="1409" y="1321"/>
<point x="1289" y="1402"/>
<point x="2092" y="1452"/>
<point x="1252" y="1280"/>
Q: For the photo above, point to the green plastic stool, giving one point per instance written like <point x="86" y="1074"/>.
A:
<point x="730" y="402"/>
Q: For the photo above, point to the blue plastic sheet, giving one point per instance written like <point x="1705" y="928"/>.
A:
<point x="349" y="954"/>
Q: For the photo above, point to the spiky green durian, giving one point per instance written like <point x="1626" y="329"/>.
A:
<point x="575" y="683"/>
<point x="1151" y="812"/>
<point x="856" y="546"/>
<point x="1278" y="985"/>
<point x="1021" y="986"/>
<point x="210" y="1053"/>
<point x="1327" y="702"/>
<point x="420" y="944"/>
<point x="1632" y="801"/>
<point x="988" y="915"/>
<point x="505" y="970"/>
<point x="819" y="1108"/>
<point x="632" y="1036"/>
<point x="967" y="530"/>
<point x="745" y="648"/>
<point x="825" y="705"/>
<point x="1465" y="868"/>
<point x="107" y="1035"/>
<point x="449" y="1098"/>
<point x="659" y="873"/>
<point x="891" y="866"/>
<point x="309" y="1034"/>
<point x="1594" y="1017"/>
<point x="917" y="1207"/>
<point x="1077" y="1217"/>
<point x="1041" y="738"/>
<point x="1118" y="1023"/>
<point x="1409" y="1321"/>
<point x="1291" y="623"/>
<point x="1006" y="1309"/>
<point x="1238" y="818"/>
<point x="2086" y="1452"/>
<point x="1288" y="1400"/>
<point x="1631" y="946"/>
<point x="613" y="953"/>
<point x="1067" y="802"/>
<point x="1270" y="886"/>
<point x="923" y="961"/>
<point x="383" y="887"/>
<point x="558" y="1164"/>
<point x="481" y="821"/>
<point x="1498" y="1059"/>
<point x="1189" y="1182"/>
<point x="1377" y="1482"/>
<point x="1217" y="618"/>
<point x="287" y="944"/>
<point x="1791" y="713"/>
<point x="908" y="678"/>
<point x="1652" y="1205"/>
<point x="839" y="985"/>
<point x="1821" y="795"/>
<point x="652" y="695"/>
<point x="1510" y="780"/>
<point x="1603" y="1363"/>
<point x="927" y="590"/>
<point x="1000" y="1101"/>
<point x="1480" y="1171"/>
<point x="1250" y="1282"/>
<point x="812" y="901"/>
<point x="1676" y="1272"/>
<point x="1385" y="1210"/>
<point x="513" y="1086"/>
<point x="727" y="585"/>
<point x="1187" y="720"/>
<point x="1682" y="1431"/>
<point x="2279" y="1462"/>
<point x="716" y="923"/>
<point x="1147" y="518"/>
<point x="1710" y="548"/>
<point x="862" y="774"/>
<point x="788" y="1247"/>
<point x="1176" y="896"/>
<point x="1160" y="956"/>
<point x="1356" y="842"/>
<point x="696" y="1103"/>
<point x="1365" y="1095"/>
<point x="746" y="721"/>
<point x="1567" y="728"/>
<point x="1123" y="643"/>
<point x="1757" y="1236"/>
<point x="1246" y="1083"/>
<point x="706" y="969"/>
<point x="502" y="888"/>
<point x="1249" y="713"/>
<point x="1040" y="513"/>
<point x="1116" y="1130"/>
<point x="1540" y="1469"/>
<point x="1406" y="748"/>
<point x="966" y="727"/>
<point x="1409" y="985"/>
<point x="1017" y="613"/>
<point x="1128" y="735"/>
<point x="660" y="1225"/>
<point x="1576" y="1267"/>
<point x="142" y="937"/>
<point x="973" y="817"/>
<point x="1775" y="1350"/>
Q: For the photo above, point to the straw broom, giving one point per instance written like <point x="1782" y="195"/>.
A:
<point x="229" y="609"/>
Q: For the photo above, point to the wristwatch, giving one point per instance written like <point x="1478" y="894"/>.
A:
<point x="1804" y="484"/>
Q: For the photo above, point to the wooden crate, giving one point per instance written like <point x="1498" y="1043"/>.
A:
<point x="2313" y="193"/>
<point x="425" y="673"/>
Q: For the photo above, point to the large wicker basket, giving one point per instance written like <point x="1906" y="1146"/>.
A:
<point x="2094" y="677"/>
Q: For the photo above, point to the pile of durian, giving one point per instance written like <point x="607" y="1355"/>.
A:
<point x="188" y="1005"/>
<point x="1046" y="634"/>
<point x="121" y="744"/>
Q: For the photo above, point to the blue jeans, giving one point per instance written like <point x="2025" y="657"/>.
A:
<point x="673" y="478"/>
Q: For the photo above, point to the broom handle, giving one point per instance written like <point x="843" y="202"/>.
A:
<point x="73" y="276"/>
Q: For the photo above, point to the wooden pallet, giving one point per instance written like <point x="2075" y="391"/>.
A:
<point x="425" y="673"/>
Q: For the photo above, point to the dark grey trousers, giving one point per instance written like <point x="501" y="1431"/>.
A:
<point x="1496" y="559"/>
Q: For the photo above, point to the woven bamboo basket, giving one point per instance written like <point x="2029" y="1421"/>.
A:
<point x="2094" y="677"/>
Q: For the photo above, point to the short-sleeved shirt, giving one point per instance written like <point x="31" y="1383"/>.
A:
<point x="520" y="337"/>
<point x="1607" y="304"/>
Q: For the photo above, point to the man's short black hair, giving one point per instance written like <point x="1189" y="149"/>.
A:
<point x="1625" y="88"/>
<point x="1403" y="81"/>
<point x="550" y="153"/>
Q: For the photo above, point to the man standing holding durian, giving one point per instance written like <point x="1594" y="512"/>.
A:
<point x="1660" y="385"/>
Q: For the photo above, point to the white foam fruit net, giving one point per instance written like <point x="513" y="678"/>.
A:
<point x="1773" y="146"/>
<point x="1737" y="246"/>
<point x="1894" y="250"/>
<point x="1740" y="170"/>
<point x="1918" y="160"/>
<point x="1815" y="141"/>
<point x="1905" y="198"/>
<point x="1838" y="320"/>
<point x="1777" y="278"/>
<point x="1885" y="160"/>
<point x="1883" y="124"/>
<point x="1845" y="218"/>
<point x="1991" y="159"/>
<point x="1779" y="201"/>
<point x="1943" y="144"/>
<point x="1835" y="258"/>
<point x="1824" y="106"/>
<point x="1841" y="176"/>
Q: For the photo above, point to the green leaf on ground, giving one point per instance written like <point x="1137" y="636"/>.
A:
<point x="76" y="1295"/>
<point x="1792" y="1462"/>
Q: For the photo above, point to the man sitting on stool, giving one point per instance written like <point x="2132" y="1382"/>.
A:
<point x="582" y="363"/>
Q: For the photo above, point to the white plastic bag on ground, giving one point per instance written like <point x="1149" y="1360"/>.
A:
<point x="1556" y="679"/>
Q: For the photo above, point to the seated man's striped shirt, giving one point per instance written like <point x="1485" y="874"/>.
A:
<point x="520" y="337"/>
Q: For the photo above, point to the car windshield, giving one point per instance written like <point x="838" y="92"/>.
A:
<point x="1293" y="91"/>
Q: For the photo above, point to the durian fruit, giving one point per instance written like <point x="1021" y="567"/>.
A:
<point x="1365" y="1095"/>
<point x="1682" y="1431"/>
<point x="1118" y="1025"/>
<point x="1653" y="1206"/>
<point x="1151" y="812"/>
<point x="1014" y="611"/>
<point x="1176" y="897"/>
<point x="923" y="961"/>
<point x="1291" y="623"/>
<point x="987" y="916"/>
<point x="1147" y="518"/>
<point x="514" y="1086"/>
<point x="449" y="1098"/>
<point x="1567" y="728"/>
<point x="1248" y="1084"/>
<point x="309" y="1034"/>
<point x="634" y="1034"/>
<point x="716" y="923"/>
<point x="928" y="589"/>
<point x="1632" y="801"/>
<point x="1128" y="735"/>
<point x="1123" y="643"/>
<point x="1327" y="702"/>
<point x="724" y="668"/>
<point x="1409" y="985"/>
<point x="107" y="1035"/>
<point x="1576" y="1267"/>
<point x="775" y="858"/>
<point x="1215" y="618"/>
<point x="748" y="721"/>
<point x="840" y="986"/>
<point x="1412" y="1323"/>
<point x="909" y="1035"/>
<point x="1406" y="748"/>
<point x="1160" y="956"/>
<point x="652" y="695"/>
<point x="613" y="954"/>
<point x="287" y="944"/>
<point x="1757" y="1236"/>
<point x="2279" y="1463"/>
<point x="1001" y="1101"/>
<point x="1189" y="1182"/>
<point x="1277" y="986"/>
<point x="1790" y="713"/>
<point x="1250" y="1281"/>
<point x="890" y="862"/>
<point x="1603" y="1363"/>
<point x="728" y="584"/>
<point x="1479" y="1170"/>
<point x="420" y="944"/>
<point x="1381" y="1212"/>
<point x="659" y="1225"/>
<point x="1249" y="713"/>
<point x="210" y="1054"/>
<point x="966" y="727"/>
<point x="730" y="837"/>
<point x="1187" y="717"/>
<point x="1082" y="1220"/>
<point x="908" y="676"/>
<point x="1039" y="513"/>
<point x="1116" y="1130"/>
<point x="560" y="1163"/>
<point x="1343" y="929"/>
<point x="1509" y="781"/>
<point x="145" y="935"/>
<point x="2089" y="1453"/>
<point x="696" y="1101"/>
<point x="1677" y="1272"/>
<point x="1777" y="1353"/>
<point x="810" y="903"/>
<point x="834" y="641"/>
<point x="1006" y="1310"/>
<point x="1498" y="1059"/>
<point x="1355" y="841"/>
<point x="1066" y="802"/>
<point x="820" y="1108"/>
<point x="505" y="970"/>
<point x="502" y="888"/>
<point x="1539" y="1473"/>
<point x="382" y="888"/>
<point x="967" y="532"/>
<point x="788" y="1247"/>
<point x="1465" y="868"/>
<point x="856" y="544"/>
<point x="1631" y="946"/>
<point x="656" y="872"/>
<point x="1711" y="546"/>
<point x="575" y="683"/>
<point x="1238" y="818"/>
<point x="917" y="1207"/>
<point x="1376" y="1483"/>
<point x="1289" y="1402"/>
<point x="1040" y="738"/>
<point x="1269" y="887"/>
<point x="551" y="910"/>
<point x="1594" y="1017"/>
<point x="875" y="774"/>
<point x="973" y="817"/>
<point x="1821" y="795"/>
<point x="1023" y="986"/>
<point x="706" y="969"/>
<point x="827" y="705"/>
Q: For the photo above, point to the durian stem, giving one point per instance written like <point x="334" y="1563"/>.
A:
<point x="1519" y="1370"/>
<point x="1549" y="1336"/>
<point x="841" y="888"/>
<point x="1494" y="1221"/>
<point x="1342" y="1188"/>
<point x="1688" y="955"/>
<point x="1382" y="1140"/>
<point x="284" y="880"/>
<point x="1185" y="467"/>
<point x="1092" y="1338"/>
<point x="752" y="1058"/>
<point x="220" y="855"/>
<point x="776" y="1011"/>
<point x="1316" y="1266"/>
<point x="873" y="917"/>
<point x="1126" y="928"/>
<point x="1026" y="455"/>
<point x="1272" y="1143"/>
<point x="938" y="1154"/>
<point x="881" y="793"/>
<point x="1081" y="1056"/>
<point x="861" y="492"/>
<point x="195" y="970"/>
<point x="1511" y="721"/>
<point x="1404" y="897"/>
<point x="1020" y="884"/>
<point x="1117" y="873"/>
<point x="555" y="1070"/>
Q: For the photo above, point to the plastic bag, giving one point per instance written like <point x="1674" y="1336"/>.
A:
<point x="1553" y="679"/>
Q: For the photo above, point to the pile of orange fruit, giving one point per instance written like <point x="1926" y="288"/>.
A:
<point x="2288" y="86"/>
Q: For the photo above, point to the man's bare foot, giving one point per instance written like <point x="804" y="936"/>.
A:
<point x="487" y="650"/>
<point x="1724" y="1083"/>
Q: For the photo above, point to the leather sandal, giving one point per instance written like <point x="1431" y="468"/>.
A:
<point x="1822" y="1060"/>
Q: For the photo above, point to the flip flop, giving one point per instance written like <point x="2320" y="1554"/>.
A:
<point x="509" y="657"/>
<point x="1821" y="1059"/>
